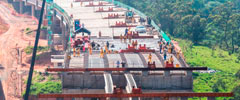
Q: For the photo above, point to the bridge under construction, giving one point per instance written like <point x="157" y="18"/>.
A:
<point x="110" y="51"/>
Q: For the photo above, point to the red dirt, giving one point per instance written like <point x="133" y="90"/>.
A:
<point x="3" y="26"/>
<point x="10" y="40"/>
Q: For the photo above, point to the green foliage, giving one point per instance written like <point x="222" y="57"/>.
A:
<point x="27" y="29"/>
<point x="42" y="85"/>
<point x="236" y="92"/>
<point x="224" y="81"/>
<point x="238" y="74"/>
<point x="44" y="27"/>
<point x="202" y="56"/>
<point x="46" y="87"/>
<point x="29" y="49"/>
<point x="204" y="22"/>
<point x="50" y="78"/>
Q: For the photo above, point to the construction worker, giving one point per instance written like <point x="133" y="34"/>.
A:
<point x="125" y="39"/>
<point x="123" y="64"/>
<point x="133" y="44"/>
<point x="160" y="47"/>
<point x="178" y="54"/>
<point x="90" y="50"/>
<point x="74" y="51"/>
<point x="169" y="49"/>
<point x="171" y="59"/>
<point x="106" y="49"/>
<point x="150" y="58"/>
<point x="107" y="44"/>
<point x="165" y="54"/>
<point x="101" y="53"/>
<point x="126" y="32"/>
<point x="121" y="37"/>
<point x="118" y="63"/>
<point x="136" y="43"/>
<point x="78" y="54"/>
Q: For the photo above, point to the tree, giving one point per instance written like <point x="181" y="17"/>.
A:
<point x="238" y="74"/>
<point x="236" y="92"/>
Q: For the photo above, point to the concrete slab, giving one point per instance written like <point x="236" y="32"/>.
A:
<point x="112" y="59"/>
<point x="134" y="61"/>
<point x="95" y="61"/>
<point x="77" y="62"/>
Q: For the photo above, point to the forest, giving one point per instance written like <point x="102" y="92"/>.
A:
<point x="208" y="32"/>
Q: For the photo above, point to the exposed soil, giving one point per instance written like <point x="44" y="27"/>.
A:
<point x="13" y="39"/>
<point x="3" y="26"/>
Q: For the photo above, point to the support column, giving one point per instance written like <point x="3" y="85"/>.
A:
<point x="21" y="7"/>
<point x="33" y="10"/>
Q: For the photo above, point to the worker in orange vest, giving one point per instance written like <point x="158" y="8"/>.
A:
<point x="101" y="53"/>
<point x="78" y="52"/>
<point x="150" y="58"/>
<point x="106" y="49"/>
<point x="90" y="49"/>
<point x="74" y="51"/>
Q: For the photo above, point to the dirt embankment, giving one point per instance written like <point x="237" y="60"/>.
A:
<point x="3" y="26"/>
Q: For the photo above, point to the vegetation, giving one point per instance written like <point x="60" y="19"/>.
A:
<point x="209" y="34"/>
<point x="224" y="80"/>
<point x="28" y="50"/>
<point x="45" y="84"/>
<point x="206" y="22"/>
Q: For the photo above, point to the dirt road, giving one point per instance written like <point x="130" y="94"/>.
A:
<point x="9" y="41"/>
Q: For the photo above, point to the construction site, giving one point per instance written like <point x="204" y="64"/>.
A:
<point x="104" y="49"/>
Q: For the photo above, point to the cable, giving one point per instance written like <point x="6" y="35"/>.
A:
<point x="29" y="81"/>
